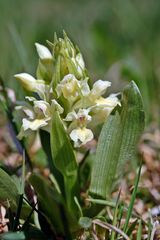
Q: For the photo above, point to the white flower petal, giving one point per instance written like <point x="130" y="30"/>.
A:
<point x="109" y="102"/>
<point x="42" y="108"/>
<point x="43" y="51"/>
<point x="81" y="136"/>
<point x="69" y="86"/>
<point x="84" y="87"/>
<point x="99" y="88"/>
<point x="71" y="116"/>
<point x="30" y="99"/>
<point x="31" y="84"/>
<point x="83" y="114"/>
<point x="102" y="108"/>
<point x="27" y="80"/>
<point x="34" y="125"/>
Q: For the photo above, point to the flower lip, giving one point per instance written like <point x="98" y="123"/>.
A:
<point x="81" y="136"/>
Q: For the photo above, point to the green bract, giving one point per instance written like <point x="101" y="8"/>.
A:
<point x="62" y="85"/>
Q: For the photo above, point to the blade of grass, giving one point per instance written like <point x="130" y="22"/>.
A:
<point x="120" y="215"/>
<point x="132" y="227"/>
<point x="18" y="213"/>
<point x="139" y="233"/>
<point x="22" y="185"/>
<point x="115" y="217"/>
<point x="149" y="229"/>
<point x="133" y="197"/>
<point x="101" y="202"/>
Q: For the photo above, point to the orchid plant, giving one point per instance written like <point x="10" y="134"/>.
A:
<point x="62" y="85"/>
<point x="71" y="113"/>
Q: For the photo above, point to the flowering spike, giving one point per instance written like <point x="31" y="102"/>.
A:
<point x="62" y="86"/>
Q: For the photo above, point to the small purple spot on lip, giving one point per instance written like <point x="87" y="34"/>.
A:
<point x="82" y="118"/>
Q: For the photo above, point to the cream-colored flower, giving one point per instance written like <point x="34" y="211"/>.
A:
<point x="81" y="118"/>
<point x="42" y="109"/>
<point x="69" y="87"/>
<point x="89" y="97"/>
<point x="38" y="116"/>
<point x="43" y="52"/>
<point x="33" y="125"/>
<point x="31" y="84"/>
<point x="81" y="136"/>
<point x="99" y="88"/>
<point x="103" y="107"/>
<point x="78" y="131"/>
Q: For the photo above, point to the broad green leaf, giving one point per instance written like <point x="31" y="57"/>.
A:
<point x="8" y="190"/>
<point x="49" y="200"/>
<point x="117" y="141"/>
<point x="64" y="159"/>
<point x="104" y="168"/>
<point x="132" y="122"/>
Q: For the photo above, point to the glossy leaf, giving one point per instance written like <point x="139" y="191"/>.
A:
<point x="64" y="159"/>
<point x="117" y="141"/>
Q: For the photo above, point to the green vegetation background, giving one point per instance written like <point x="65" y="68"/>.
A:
<point x="120" y="40"/>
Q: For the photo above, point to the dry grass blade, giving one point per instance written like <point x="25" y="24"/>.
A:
<point x="94" y="236"/>
<point x="153" y="233"/>
<point x="111" y="227"/>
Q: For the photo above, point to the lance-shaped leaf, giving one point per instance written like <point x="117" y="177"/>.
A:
<point x="117" y="141"/>
<point x="64" y="159"/>
<point x="8" y="190"/>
